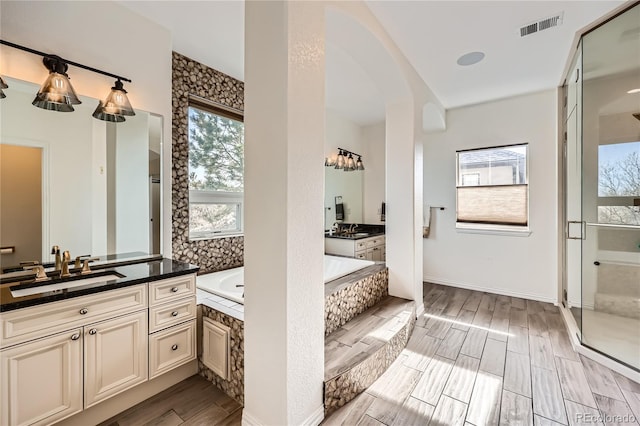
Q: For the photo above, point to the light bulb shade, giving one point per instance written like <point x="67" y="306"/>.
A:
<point x="56" y="94"/>
<point x="3" y="85"/>
<point x="103" y="115"/>
<point x="340" y="162"/>
<point x="350" y="164"/>
<point x="117" y="102"/>
<point x="359" y="165"/>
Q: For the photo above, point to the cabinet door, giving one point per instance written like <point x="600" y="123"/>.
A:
<point x="377" y="253"/>
<point x="369" y="254"/>
<point x="42" y="380"/>
<point x="116" y="356"/>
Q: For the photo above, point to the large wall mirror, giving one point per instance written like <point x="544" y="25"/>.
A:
<point x="67" y="179"/>
<point x="349" y="186"/>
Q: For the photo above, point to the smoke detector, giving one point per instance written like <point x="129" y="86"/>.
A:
<point x="542" y="24"/>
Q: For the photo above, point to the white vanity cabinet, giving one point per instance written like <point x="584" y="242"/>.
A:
<point x="115" y="356"/>
<point x="59" y="358"/>
<point x="42" y="380"/>
<point x="371" y="248"/>
<point x="172" y="324"/>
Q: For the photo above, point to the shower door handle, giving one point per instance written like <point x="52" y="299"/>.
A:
<point x="576" y="230"/>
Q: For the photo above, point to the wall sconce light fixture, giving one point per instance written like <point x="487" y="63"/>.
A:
<point x="57" y="93"/>
<point x="3" y="85"/>
<point x="345" y="161"/>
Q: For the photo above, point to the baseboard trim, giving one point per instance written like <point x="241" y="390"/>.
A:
<point x="313" y="420"/>
<point x="574" y="331"/>
<point x="248" y="419"/>
<point x="499" y="291"/>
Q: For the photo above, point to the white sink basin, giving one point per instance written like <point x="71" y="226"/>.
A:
<point x="63" y="285"/>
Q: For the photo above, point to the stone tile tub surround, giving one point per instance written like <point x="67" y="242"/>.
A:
<point x="193" y="78"/>
<point x="349" y="296"/>
<point x="345" y="386"/>
<point x="234" y="386"/>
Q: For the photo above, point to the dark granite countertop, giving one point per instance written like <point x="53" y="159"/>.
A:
<point x="362" y="230"/>
<point x="131" y="275"/>
<point x="356" y="236"/>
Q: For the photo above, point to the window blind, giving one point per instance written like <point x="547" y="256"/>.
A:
<point x="496" y="204"/>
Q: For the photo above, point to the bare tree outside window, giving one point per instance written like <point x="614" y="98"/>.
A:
<point x="619" y="181"/>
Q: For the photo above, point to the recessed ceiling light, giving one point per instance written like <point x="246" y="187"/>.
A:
<point x="634" y="91"/>
<point x="470" y="58"/>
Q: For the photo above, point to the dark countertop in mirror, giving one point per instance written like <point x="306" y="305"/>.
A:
<point x="362" y="230"/>
<point x="13" y="273"/>
<point x="132" y="274"/>
<point x="356" y="236"/>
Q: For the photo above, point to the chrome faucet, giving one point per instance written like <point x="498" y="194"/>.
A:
<point x="66" y="258"/>
<point x="56" y="250"/>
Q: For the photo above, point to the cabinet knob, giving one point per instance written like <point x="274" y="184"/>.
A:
<point x="174" y="313"/>
<point x="174" y="347"/>
<point x="75" y="336"/>
<point x="93" y="331"/>
<point x="84" y="311"/>
<point x="174" y="289"/>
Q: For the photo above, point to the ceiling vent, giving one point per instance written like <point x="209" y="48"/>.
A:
<point x="542" y="24"/>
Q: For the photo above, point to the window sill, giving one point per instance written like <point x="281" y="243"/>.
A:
<point x="216" y="236"/>
<point x="502" y="230"/>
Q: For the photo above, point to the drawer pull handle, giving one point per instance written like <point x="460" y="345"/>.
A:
<point x="174" y="347"/>
<point x="75" y="336"/>
<point x="174" y="313"/>
<point x="93" y="331"/>
<point x="84" y="311"/>
<point x="174" y="289"/>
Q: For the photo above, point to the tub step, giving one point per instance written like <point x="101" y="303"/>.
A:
<point x="626" y="306"/>
<point x="358" y="352"/>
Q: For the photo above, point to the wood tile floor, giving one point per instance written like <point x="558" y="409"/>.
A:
<point x="473" y="359"/>
<point x="480" y="359"/>
<point x="194" y="401"/>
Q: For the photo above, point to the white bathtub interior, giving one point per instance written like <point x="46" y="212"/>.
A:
<point x="230" y="283"/>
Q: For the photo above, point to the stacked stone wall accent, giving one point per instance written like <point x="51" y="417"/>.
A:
<point x="352" y="300"/>
<point x="191" y="78"/>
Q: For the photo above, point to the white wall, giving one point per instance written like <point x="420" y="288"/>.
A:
<point x="132" y="184"/>
<point x="373" y="143"/>
<point x="503" y="264"/>
<point x="81" y="37"/>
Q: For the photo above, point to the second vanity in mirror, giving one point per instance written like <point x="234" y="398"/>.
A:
<point x="361" y="241"/>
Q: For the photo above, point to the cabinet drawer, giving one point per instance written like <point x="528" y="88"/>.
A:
<point x="361" y="245"/>
<point x="171" y="348"/>
<point x="172" y="313"/>
<point x="30" y="323"/>
<point x="375" y="242"/>
<point x="361" y="254"/>
<point x="171" y="289"/>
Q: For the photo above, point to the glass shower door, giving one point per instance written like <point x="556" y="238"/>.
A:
<point x="610" y="190"/>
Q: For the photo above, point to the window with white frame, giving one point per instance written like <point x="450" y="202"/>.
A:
<point x="492" y="187"/>
<point x="216" y="171"/>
